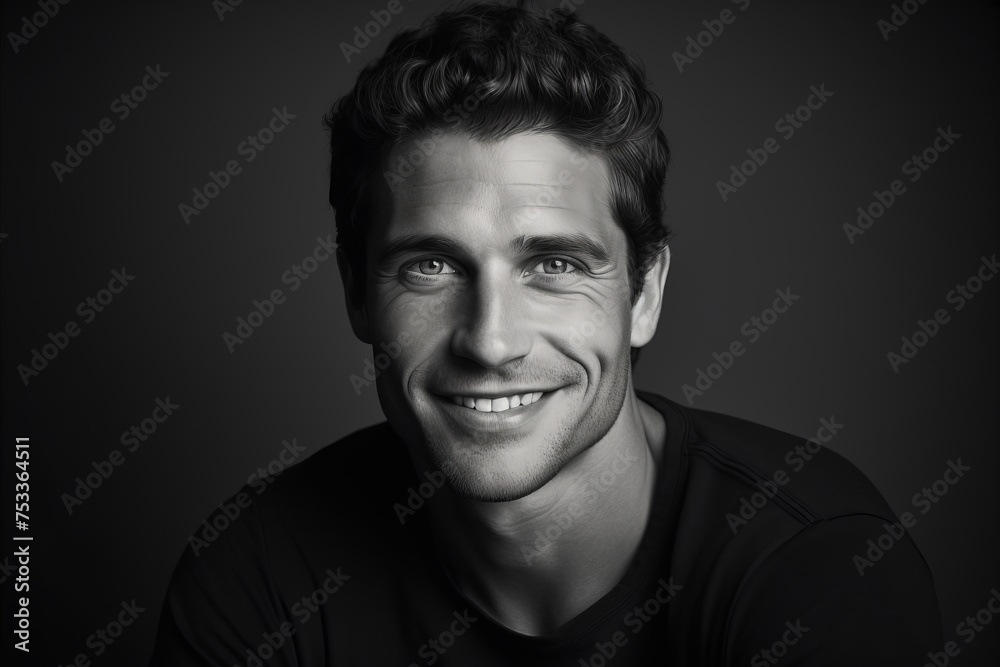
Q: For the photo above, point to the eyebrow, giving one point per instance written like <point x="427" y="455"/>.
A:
<point x="579" y="244"/>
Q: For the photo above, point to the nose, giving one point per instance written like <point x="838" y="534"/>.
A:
<point x="493" y="329"/>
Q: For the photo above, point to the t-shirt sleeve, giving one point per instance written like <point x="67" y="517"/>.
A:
<point x="812" y="602"/>
<point x="221" y="607"/>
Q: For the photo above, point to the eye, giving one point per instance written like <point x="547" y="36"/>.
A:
<point x="431" y="271"/>
<point x="554" y="266"/>
<point x="431" y="267"/>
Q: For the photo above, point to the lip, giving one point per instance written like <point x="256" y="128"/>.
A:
<point x="469" y="419"/>
<point x="492" y="394"/>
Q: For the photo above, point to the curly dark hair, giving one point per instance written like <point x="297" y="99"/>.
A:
<point x="491" y="71"/>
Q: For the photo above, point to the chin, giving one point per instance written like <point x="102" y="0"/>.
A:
<point x="500" y="468"/>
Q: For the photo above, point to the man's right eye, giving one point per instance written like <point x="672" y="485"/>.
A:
<point x="431" y="267"/>
<point x="428" y="269"/>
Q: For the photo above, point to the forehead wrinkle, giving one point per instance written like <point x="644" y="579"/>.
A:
<point x="459" y="192"/>
<point x="434" y="182"/>
<point x="553" y="184"/>
<point x="486" y="182"/>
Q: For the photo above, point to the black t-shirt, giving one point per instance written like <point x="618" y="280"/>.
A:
<point x="756" y="553"/>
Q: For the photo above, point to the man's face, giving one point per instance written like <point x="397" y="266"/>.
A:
<point x="498" y="282"/>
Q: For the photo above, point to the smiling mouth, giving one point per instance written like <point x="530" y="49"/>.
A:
<point x="499" y="404"/>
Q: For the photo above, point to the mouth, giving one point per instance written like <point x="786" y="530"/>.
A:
<point x="483" y="413"/>
<point x="499" y="403"/>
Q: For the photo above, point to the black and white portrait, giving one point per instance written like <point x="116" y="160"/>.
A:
<point x="500" y="332"/>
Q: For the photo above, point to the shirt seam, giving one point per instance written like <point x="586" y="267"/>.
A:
<point x="747" y="473"/>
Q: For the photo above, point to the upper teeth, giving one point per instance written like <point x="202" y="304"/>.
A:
<point x="497" y="404"/>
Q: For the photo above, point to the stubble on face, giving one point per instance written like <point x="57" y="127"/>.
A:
<point x="492" y="328"/>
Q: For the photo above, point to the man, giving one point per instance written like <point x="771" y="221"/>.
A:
<point x="497" y="178"/>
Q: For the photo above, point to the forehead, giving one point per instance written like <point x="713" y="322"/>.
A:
<point x="523" y="185"/>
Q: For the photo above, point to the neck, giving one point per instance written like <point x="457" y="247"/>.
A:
<point x="536" y="562"/>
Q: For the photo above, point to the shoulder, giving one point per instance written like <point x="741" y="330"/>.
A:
<point x="316" y="507"/>
<point x="774" y="528"/>
<point x="277" y="537"/>
<point x="802" y="474"/>
<point x="333" y="485"/>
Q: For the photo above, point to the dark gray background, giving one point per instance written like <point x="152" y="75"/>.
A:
<point x="162" y="336"/>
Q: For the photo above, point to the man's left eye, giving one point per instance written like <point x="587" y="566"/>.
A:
<point x="554" y="265"/>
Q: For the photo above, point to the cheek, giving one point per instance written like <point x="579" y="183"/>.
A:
<point x="593" y="335"/>
<point x="412" y="325"/>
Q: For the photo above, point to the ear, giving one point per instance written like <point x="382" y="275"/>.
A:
<point x="646" y="311"/>
<point x="353" y="297"/>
